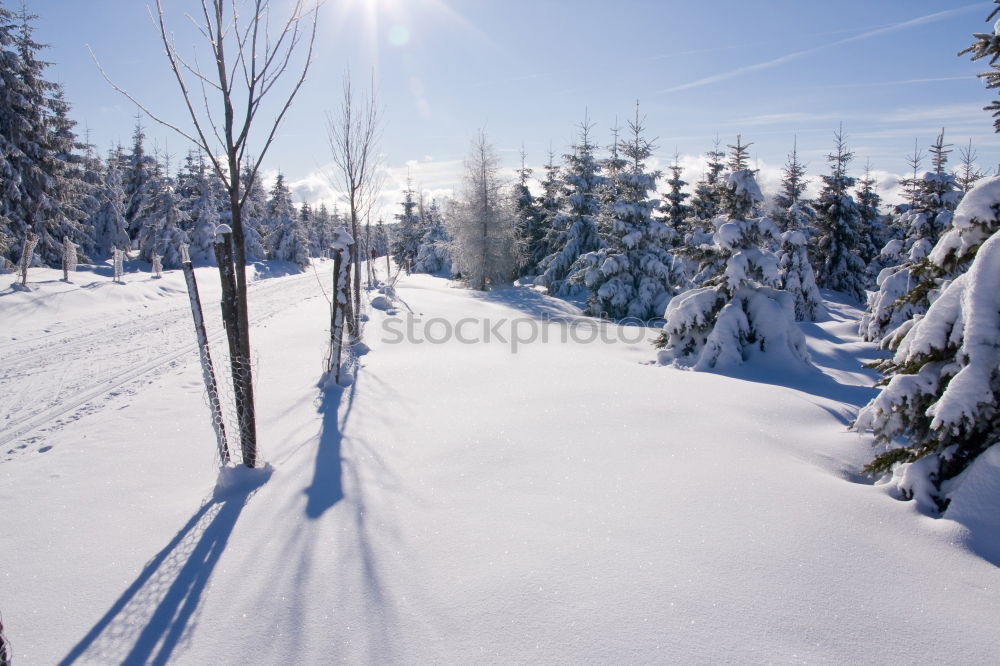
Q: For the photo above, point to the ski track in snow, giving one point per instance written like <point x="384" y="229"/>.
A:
<point x="41" y="397"/>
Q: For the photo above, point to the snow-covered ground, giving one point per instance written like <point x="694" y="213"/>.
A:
<point x="458" y="503"/>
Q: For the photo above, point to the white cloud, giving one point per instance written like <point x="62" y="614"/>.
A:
<point x="769" y="178"/>
<point x="442" y="179"/>
<point x="435" y="178"/>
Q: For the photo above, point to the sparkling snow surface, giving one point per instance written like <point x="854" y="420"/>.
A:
<point x="570" y="503"/>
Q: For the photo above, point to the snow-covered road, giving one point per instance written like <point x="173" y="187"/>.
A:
<point x="54" y="371"/>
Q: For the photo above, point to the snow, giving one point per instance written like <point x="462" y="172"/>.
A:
<point x="978" y="203"/>
<point x="972" y="386"/>
<point x="744" y="183"/>
<point x="972" y="223"/>
<point x="974" y="502"/>
<point x="893" y="248"/>
<point x="570" y="503"/>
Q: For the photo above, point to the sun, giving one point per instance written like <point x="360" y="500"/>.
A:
<point x="396" y="24"/>
<point x="366" y="15"/>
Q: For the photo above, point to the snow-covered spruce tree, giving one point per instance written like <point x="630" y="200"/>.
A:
<point x="203" y="206"/>
<point x="73" y="188"/>
<point x="701" y="257"/>
<point x="732" y="198"/>
<point x="789" y="201"/>
<point x="910" y="185"/>
<point x="110" y="229"/>
<point x="987" y="45"/>
<point x="936" y="194"/>
<point x="253" y="216"/>
<point x="904" y="290"/>
<point x="740" y="314"/>
<point x="794" y="218"/>
<point x="380" y="238"/>
<point x="836" y="245"/>
<point x="305" y="214"/>
<point x="306" y="217"/>
<point x="140" y="183"/>
<point x="409" y="230"/>
<point x="482" y="223"/>
<point x="433" y="255"/>
<point x="676" y="211"/>
<point x="36" y="146"/>
<point x="796" y="274"/>
<point x="321" y="232"/>
<point x="162" y="230"/>
<point x="874" y="233"/>
<point x="968" y="173"/>
<point x="632" y="276"/>
<point x="549" y="203"/>
<point x="607" y="191"/>
<point x="9" y="107"/>
<point x="707" y="197"/>
<point x="287" y="240"/>
<point x="529" y="230"/>
<point x="92" y="170"/>
<point x="942" y="389"/>
<point x="576" y="220"/>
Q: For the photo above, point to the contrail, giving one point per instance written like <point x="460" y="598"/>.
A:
<point x="920" y="20"/>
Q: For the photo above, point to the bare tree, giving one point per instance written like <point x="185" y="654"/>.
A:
<point x="354" y="133"/>
<point x="251" y="55"/>
<point x="482" y="221"/>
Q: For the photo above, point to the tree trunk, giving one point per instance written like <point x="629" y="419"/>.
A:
<point x="236" y="323"/>
<point x="355" y="255"/>
<point x="369" y="259"/>
<point x="348" y="302"/>
<point x="486" y="231"/>
<point x="337" y="316"/>
<point x="207" y="370"/>
<point x="26" y="251"/>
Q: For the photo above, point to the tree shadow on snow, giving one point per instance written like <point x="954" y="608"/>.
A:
<point x="274" y="268"/>
<point x="347" y="470"/>
<point x="151" y="620"/>
<point x="534" y="303"/>
<point x="327" y="487"/>
<point x="812" y="381"/>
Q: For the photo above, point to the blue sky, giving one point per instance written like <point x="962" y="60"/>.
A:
<point x="528" y="71"/>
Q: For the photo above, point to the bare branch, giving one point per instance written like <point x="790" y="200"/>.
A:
<point x="145" y="109"/>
